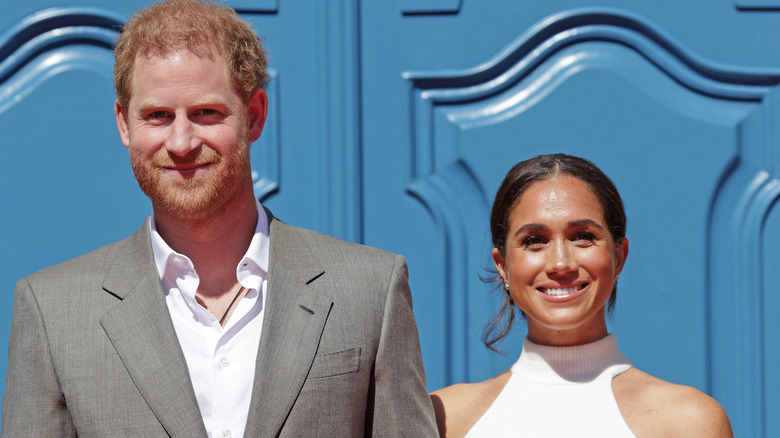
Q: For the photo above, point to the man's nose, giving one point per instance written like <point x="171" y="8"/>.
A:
<point x="181" y="140"/>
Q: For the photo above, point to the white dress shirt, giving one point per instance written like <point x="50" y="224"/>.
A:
<point x="221" y="360"/>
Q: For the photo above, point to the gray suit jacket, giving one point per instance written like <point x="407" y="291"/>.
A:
<point x="93" y="352"/>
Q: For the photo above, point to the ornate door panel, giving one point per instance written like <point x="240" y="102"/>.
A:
<point x="680" y="111"/>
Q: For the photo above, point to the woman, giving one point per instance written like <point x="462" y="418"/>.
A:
<point x="558" y="229"/>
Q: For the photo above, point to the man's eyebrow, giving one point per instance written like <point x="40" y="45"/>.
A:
<point x="207" y="101"/>
<point x="214" y="100"/>
<point x="149" y="104"/>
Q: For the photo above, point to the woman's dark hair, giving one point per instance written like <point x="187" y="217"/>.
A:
<point x="516" y="182"/>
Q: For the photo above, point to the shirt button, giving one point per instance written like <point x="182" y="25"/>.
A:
<point x="227" y="433"/>
<point x="225" y="362"/>
<point x="177" y="261"/>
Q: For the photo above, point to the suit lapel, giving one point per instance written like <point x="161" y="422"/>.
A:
<point x="141" y="331"/>
<point x="296" y="311"/>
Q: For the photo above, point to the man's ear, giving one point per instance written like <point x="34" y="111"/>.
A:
<point x="498" y="260"/>
<point x="121" y="123"/>
<point x="257" y="111"/>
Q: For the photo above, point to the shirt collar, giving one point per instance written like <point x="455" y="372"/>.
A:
<point x="254" y="263"/>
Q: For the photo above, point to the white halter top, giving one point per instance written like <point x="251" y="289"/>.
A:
<point x="559" y="392"/>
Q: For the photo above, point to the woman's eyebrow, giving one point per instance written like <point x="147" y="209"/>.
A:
<point x="579" y="223"/>
<point x="529" y="227"/>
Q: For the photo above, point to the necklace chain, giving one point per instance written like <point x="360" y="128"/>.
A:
<point x="221" y="320"/>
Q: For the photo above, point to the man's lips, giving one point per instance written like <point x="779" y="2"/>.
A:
<point x="186" y="169"/>
<point x="187" y="166"/>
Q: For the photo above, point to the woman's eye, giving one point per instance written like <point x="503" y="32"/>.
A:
<point x="584" y="236"/>
<point x="207" y="111"/>
<point x="533" y="241"/>
<point x="157" y="114"/>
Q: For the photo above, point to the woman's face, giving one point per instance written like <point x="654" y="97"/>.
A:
<point x="560" y="261"/>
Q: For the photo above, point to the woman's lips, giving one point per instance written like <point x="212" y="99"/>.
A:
<point x="559" y="291"/>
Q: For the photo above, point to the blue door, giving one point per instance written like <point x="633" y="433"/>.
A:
<point x="392" y="124"/>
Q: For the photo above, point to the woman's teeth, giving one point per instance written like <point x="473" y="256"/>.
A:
<point x="562" y="291"/>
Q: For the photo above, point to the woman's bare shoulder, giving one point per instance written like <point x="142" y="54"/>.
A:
<point x="654" y="407"/>
<point x="458" y="407"/>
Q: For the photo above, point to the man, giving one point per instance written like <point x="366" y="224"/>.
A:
<point x="214" y="318"/>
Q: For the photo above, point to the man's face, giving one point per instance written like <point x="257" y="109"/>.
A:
<point x="188" y="132"/>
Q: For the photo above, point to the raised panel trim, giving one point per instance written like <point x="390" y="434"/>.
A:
<point x="431" y="7"/>
<point x="339" y="122"/>
<point x="267" y="154"/>
<point x="767" y="5"/>
<point x="254" y="6"/>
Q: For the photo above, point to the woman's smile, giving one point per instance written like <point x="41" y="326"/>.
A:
<point x="561" y="291"/>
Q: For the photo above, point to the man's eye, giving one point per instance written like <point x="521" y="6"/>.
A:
<point x="157" y="114"/>
<point x="207" y="111"/>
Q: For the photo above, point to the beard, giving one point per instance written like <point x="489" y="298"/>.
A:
<point x="200" y="197"/>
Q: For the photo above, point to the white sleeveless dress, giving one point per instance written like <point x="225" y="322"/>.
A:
<point x="559" y="392"/>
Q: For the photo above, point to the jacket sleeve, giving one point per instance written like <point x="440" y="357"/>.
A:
<point x="401" y="405"/>
<point x="33" y="404"/>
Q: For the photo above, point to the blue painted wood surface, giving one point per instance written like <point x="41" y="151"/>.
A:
<point x="392" y="124"/>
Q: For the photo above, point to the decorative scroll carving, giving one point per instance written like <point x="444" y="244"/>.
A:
<point x="30" y="52"/>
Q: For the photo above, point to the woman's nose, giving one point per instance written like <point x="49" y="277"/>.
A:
<point x="560" y="259"/>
